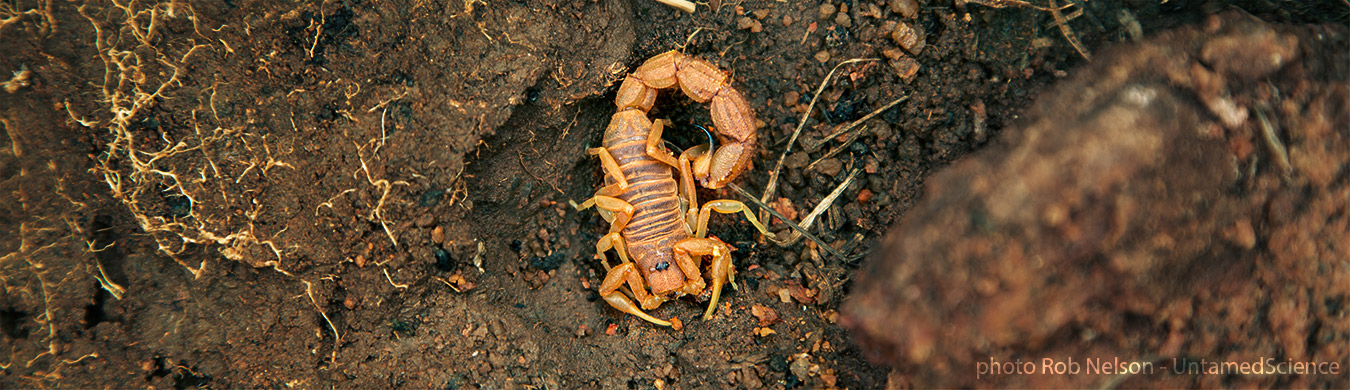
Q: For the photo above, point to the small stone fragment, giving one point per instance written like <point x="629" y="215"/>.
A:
<point x="745" y="23"/>
<point x="826" y="10"/>
<point x="893" y="53"/>
<point x="822" y="56"/>
<point x="843" y="20"/>
<point x="830" y="166"/>
<point x="906" y="8"/>
<point x="796" y="160"/>
<point x="908" y="37"/>
<point x="766" y="315"/>
<point x="438" y="235"/>
<point x="906" y="68"/>
<point x="864" y="196"/>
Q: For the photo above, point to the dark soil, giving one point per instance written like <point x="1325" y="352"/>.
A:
<point x="268" y="194"/>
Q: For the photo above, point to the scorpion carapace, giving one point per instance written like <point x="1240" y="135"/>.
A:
<point x="654" y="219"/>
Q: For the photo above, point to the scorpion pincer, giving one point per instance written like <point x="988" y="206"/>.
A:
<point x="655" y="221"/>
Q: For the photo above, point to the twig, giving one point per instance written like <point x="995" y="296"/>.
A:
<point x="521" y="157"/>
<point x="837" y="149"/>
<point x="777" y="168"/>
<point x="337" y="337"/>
<point x="800" y="230"/>
<point x="868" y="116"/>
<point x="681" y="5"/>
<point x="1068" y="33"/>
<point x="856" y="134"/>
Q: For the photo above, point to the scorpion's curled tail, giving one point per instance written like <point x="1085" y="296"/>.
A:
<point x="702" y="81"/>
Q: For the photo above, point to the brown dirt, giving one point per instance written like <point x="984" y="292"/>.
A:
<point x="1139" y="214"/>
<point x="266" y="194"/>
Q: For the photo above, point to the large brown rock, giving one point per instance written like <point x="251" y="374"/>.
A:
<point x="1179" y="199"/>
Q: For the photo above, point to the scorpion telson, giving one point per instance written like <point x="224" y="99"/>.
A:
<point x="643" y="202"/>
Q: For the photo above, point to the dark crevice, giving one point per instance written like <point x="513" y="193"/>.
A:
<point x="11" y="323"/>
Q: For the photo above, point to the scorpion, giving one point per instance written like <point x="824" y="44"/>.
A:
<point x="653" y="219"/>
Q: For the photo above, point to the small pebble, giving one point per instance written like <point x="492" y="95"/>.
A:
<point x="360" y="261"/>
<point x="843" y="20"/>
<point x="873" y="10"/>
<point x="908" y="37"/>
<point x="906" y="68"/>
<point x="893" y="53"/>
<point x="830" y="166"/>
<point x="826" y="10"/>
<point x="906" y="8"/>
<point x="864" y="196"/>
<point x="349" y="302"/>
<point x="822" y="56"/>
<point x="796" y="160"/>
<point x="787" y="20"/>
<point x="438" y="235"/>
<point x="744" y="23"/>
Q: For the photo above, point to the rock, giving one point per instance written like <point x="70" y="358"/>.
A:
<point x="843" y="20"/>
<point x="822" y="56"/>
<point x="830" y="166"/>
<point x="906" y="8"/>
<point x="905" y="68"/>
<point x="909" y="37"/>
<point x="1120" y="205"/>
<point x="826" y="10"/>
<point x="797" y="160"/>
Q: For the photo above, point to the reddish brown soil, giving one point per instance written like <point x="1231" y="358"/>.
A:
<point x="267" y="194"/>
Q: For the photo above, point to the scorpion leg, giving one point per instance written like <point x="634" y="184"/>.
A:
<point x="627" y="273"/>
<point x="726" y="206"/>
<point x="721" y="271"/>
<point x="654" y="147"/>
<point x="687" y="183"/>
<point x="623" y="212"/>
<point x="610" y="165"/>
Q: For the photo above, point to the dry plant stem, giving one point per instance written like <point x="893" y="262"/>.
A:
<point x="856" y="134"/>
<point x="1068" y="33"/>
<point x="681" y="5"/>
<point x="1053" y="9"/>
<point x="801" y="230"/>
<point x="870" y="115"/>
<point x="778" y="167"/>
<point x="337" y="337"/>
<point x="837" y="149"/>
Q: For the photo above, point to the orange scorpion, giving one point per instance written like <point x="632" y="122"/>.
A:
<point x="659" y="225"/>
